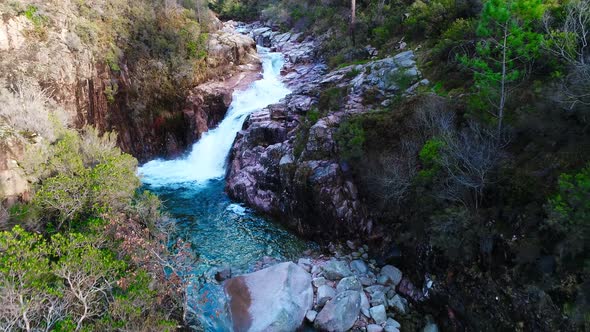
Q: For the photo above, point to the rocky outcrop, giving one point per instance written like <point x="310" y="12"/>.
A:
<point x="273" y="299"/>
<point x="295" y="173"/>
<point x="13" y="183"/>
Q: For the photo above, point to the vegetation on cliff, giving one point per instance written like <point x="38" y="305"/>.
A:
<point x="482" y="175"/>
<point x="88" y="251"/>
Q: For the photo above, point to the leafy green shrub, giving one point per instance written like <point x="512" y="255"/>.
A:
<point x="430" y="152"/>
<point x="84" y="175"/>
<point x="431" y="17"/>
<point x="331" y="99"/>
<point x="350" y="138"/>
<point x="455" y="39"/>
<point x="569" y="210"/>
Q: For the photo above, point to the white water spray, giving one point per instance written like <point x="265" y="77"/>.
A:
<point x="207" y="159"/>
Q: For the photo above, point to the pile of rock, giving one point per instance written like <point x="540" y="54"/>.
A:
<point x="351" y="293"/>
<point x="336" y="293"/>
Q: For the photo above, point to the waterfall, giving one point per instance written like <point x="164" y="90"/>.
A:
<point x="207" y="158"/>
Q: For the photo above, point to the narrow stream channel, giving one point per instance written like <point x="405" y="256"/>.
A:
<point x="221" y="232"/>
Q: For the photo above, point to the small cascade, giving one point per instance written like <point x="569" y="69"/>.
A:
<point x="207" y="158"/>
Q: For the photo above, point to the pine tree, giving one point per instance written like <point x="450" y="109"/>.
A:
<point x="508" y="42"/>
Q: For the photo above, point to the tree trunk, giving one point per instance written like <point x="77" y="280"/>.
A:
<point x="352" y="20"/>
<point x="503" y="83"/>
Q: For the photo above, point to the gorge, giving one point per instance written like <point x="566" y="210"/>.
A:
<point x="294" y="165"/>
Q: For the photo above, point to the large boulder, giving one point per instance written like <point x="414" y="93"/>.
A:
<point x="340" y="313"/>
<point x="274" y="299"/>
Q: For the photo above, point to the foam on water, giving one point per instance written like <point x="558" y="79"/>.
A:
<point x="207" y="158"/>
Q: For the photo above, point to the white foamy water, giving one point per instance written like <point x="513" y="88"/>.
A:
<point x="207" y="158"/>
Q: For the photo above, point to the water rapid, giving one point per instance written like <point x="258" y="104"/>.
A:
<point x="207" y="158"/>
<point x="221" y="232"/>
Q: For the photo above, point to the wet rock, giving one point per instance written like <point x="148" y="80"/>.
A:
<point x="336" y="269"/>
<point x="378" y="314"/>
<point x="392" y="273"/>
<point x="324" y="294"/>
<point x="274" y="299"/>
<point x="348" y="283"/>
<point x="341" y="313"/>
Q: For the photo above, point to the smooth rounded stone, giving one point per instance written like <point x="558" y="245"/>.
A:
<point x="319" y="281"/>
<point x="340" y="313"/>
<point x="336" y="270"/>
<point x="399" y="304"/>
<point x="359" y="267"/>
<point x="311" y="315"/>
<point x="365" y="256"/>
<point x="348" y="283"/>
<point x="366" y="247"/>
<point x="273" y="299"/>
<point x="388" y="328"/>
<point x="361" y="250"/>
<point x="365" y="305"/>
<point x="355" y="254"/>
<point x="374" y="328"/>
<point x="378" y="314"/>
<point x="393" y="274"/>
<point x="325" y="293"/>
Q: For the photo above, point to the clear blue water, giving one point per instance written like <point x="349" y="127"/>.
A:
<point x="221" y="232"/>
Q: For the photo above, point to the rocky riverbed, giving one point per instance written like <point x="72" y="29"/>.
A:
<point x="344" y="290"/>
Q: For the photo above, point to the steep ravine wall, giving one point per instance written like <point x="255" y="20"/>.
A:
<point x="288" y="166"/>
<point x="79" y="85"/>
<point x="147" y="135"/>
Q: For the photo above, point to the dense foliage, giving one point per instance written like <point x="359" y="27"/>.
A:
<point x="94" y="253"/>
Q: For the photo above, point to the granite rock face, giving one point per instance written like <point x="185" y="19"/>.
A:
<point x="295" y="173"/>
